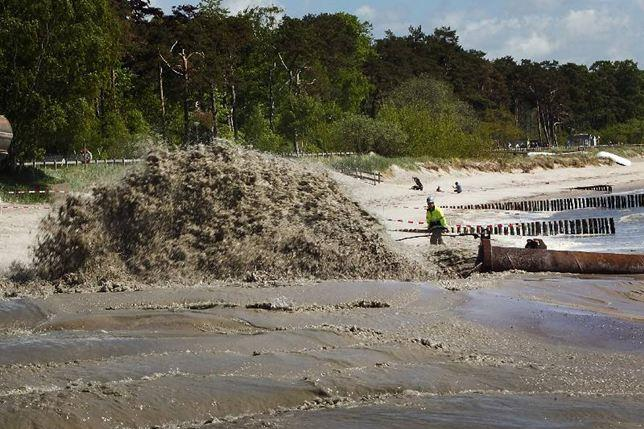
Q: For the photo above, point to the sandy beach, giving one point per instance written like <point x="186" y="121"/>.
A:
<point x="483" y="187"/>
<point x="396" y="206"/>
<point x="507" y="351"/>
<point x="19" y="223"/>
<point x="18" y="230"/>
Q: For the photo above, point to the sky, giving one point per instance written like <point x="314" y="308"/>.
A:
<point x="579" y="31"/>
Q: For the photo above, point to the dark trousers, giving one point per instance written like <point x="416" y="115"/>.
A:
<point x="437" y="236"/>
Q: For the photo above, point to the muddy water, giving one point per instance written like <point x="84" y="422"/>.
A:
<point x="592" y="313"/>
<point x="537" y="351"/>
<point x="628" y="238"/>
<point x="465" y="411"/>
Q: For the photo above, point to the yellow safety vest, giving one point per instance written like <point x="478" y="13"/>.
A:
<point x="436" y="217"/>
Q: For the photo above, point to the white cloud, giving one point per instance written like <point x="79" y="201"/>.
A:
<point x="580" y="31"/>
<point x="579" y="22"/>
<point x="367" y="12"/>
<point x="581" y="35"/>
<point x="592" y="23"/>
<point x="520" y="37"/>
<point x="392" y="19"/>
<point x="533" y="46"/>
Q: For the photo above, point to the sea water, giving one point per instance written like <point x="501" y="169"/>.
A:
<point x="628" y="237"/>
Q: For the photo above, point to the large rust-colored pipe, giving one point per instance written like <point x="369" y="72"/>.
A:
<point x="539" y="260"/>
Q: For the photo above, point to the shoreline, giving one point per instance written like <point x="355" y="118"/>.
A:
<point x="272" y="354"/>
<point x="392" y="198"/>
<point x="488" y="186"/>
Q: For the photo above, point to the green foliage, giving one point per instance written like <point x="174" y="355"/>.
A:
<point x="436" y="97"/>
<point x="435" y="122"/>
<point x="324" y="55"/>
<point x="257" y="132"/>
<point x="299" y="118"/>
<point x="55" y="59"/>
<point x="362" y="134"/>
<point x="499" y="125"/>
<point x="114" y="74"/>
<point x="431" y="134"/>
<point x="630" y="132"/>
<point x="84" y="178"/>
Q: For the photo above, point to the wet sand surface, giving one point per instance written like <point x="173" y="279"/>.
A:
<point x="474" y="411"/>
<point x="524" y="351"/>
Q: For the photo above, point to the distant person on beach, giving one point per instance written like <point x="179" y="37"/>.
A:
<point x="418" y="185"/>
<point x="458" y="188"/>
<point x="436" y="222"/>
<point x="439" y="189"/>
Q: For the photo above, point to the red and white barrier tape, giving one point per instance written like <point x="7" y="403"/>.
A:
<point x="413" y="222"/>
<point x="409" y="207"/>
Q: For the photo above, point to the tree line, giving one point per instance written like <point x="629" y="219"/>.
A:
<point x="118" y="75"/>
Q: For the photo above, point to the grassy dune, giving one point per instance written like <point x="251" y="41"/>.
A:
<point x="499" y="162"/>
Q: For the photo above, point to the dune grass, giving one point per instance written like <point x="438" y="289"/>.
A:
<point x="372" y="163"/>
<point x="83" y="178"/>
<point x="70" y="179"/>
<point x="498" y="162"/>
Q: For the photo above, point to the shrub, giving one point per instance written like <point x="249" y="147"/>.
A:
<point x="630" y="132"/>
<point x="361" y="134"/>
<point x="436" y="123"/>
<point x="434" y="134"/>
<point x="257" y="133"/>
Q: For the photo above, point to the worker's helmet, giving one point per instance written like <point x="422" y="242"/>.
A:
<point x="430" y="200"/>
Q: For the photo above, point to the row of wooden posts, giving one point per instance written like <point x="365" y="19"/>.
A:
<point x="625" y="201"/>
<point x="600" y="188"/>
<point x="590" y="226"/>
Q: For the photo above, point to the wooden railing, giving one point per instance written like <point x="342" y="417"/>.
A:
<point x="370" y="176"/>
<point x="317" y="154"/>
<point x="75" y="162"/>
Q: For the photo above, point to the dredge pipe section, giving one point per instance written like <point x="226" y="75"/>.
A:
<point x="496" y="258"/>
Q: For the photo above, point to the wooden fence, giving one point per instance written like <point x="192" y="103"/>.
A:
<point x="599" y="188"/>
<point x="60" y="161"/>
<point x="369" y="176"/>
<point x="560" y="150"/>
<point x="75" y="162"/>
<point x="317" y="155"/>
<point x="590" y="226"/>
<point x="613" y="202"/>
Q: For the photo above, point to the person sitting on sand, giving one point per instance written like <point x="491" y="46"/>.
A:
<point x="418" y="186"/>
<point x="458" y="188"/>
<point x="436" y="222"/>
<point x="439" y="189"/>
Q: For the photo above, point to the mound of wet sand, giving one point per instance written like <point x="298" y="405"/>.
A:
<point x="218" y="212"/>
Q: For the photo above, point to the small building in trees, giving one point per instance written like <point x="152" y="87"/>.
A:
<point x="586" y="140"/>
<point x="6" y="134"/>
